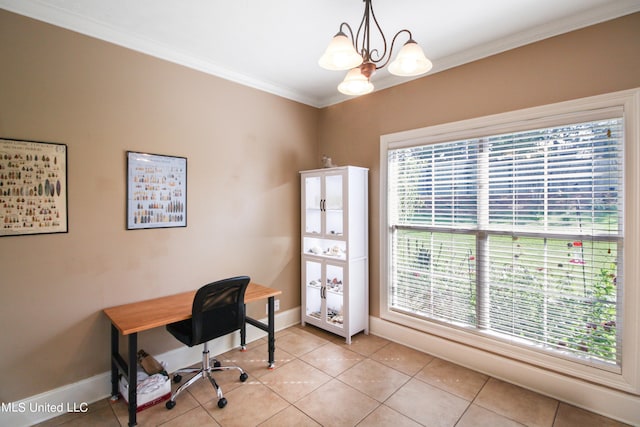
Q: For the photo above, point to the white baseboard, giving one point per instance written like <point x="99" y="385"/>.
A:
<point x="608" y="402"/>
<point x="50" y="404"/>
<point x="77" y="396"/>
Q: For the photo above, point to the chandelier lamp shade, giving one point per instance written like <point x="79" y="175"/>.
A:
<point x="346" y="52"/>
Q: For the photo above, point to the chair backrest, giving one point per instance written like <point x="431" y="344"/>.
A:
<point x="218" y="309"/>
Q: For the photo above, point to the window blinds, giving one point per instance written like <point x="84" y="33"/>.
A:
<point x="516" y="235"/>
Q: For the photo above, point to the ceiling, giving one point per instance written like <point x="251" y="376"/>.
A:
<point x="274" y="45"/>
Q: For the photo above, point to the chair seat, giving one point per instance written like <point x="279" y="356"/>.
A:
<point x="214" y="324"/>
<point x="182" y="331"/>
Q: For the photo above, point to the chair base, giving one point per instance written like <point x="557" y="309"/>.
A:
<point x="203" y="372"/>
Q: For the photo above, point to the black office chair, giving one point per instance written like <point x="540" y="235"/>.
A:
<point x="218" y="309"/>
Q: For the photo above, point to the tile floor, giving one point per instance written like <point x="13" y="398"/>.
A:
<point x="321" y="381"/>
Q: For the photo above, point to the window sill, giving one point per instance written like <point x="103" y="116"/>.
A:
<point x="604" y="376"/>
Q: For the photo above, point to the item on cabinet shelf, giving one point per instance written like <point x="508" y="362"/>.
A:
<point x="315" y="250"/>
<point x="327" y="162"/>
<point x="334" y="285"/>
<point x="337" y="289"/>
<point x="335" y="316"/>
<point x="335" y="251"/>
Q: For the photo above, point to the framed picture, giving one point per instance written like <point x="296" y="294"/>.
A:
<point x="156" y="191"/>
<point x="33" y="187"/>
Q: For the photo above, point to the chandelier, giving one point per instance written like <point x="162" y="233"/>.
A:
<point x="356" y="55"/>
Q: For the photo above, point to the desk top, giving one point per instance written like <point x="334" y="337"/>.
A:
<point x="143" y="315"/>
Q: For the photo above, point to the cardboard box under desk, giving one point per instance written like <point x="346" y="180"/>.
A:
<point x="146" y="400"/>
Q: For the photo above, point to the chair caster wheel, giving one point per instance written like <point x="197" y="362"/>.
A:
<point x="177" y="378"/>
<point x="222" y="403"/>
<point x="170" y="404"/>
<point x="217" y="364"/>
<point x="243" y="376"/>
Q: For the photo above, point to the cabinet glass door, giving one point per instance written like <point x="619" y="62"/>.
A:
<point x="313" y="204"/>
<point x="333" y="205"/>
<point x="334" y="275"/>
<point x="313" y="291"/>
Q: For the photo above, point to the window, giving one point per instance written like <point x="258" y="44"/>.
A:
<point x="511" y="229"/>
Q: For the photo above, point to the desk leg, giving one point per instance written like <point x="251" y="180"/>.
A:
<point x="269" y="328"/>
<point x="243" y="332"/>
<point x="271" y="331"/>
<point x="115" y="349"/>
<point x="133" y="378"/>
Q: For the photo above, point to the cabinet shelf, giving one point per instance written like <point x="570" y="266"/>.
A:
<point x="317" y="235"/>
<point x="334" y="257"/>
<point x="333" y="318"/>
<point x="327" y="256"/>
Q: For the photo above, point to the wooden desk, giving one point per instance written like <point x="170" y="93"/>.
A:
<point x="129" y="319"/>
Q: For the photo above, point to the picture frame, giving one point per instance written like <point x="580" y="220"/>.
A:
<point x="156" y="191"/>
<point x="33" y="188"/>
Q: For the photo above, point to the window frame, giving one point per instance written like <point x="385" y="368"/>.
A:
<point x="532" y="118"/>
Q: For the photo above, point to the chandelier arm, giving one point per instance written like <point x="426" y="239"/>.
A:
<point x="344" y="24"/>
<point x="393" y="42"/>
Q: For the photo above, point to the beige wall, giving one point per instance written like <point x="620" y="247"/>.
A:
<point x="599" y="59"/>
<point x="244" y="150"/>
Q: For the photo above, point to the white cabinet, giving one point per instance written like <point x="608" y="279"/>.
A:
<point x="335" y="262"/>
